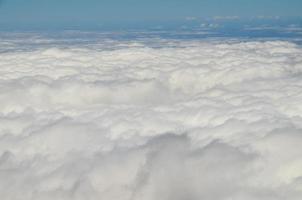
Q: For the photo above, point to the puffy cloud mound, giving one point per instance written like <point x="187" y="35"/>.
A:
<point x="211" y="120"/>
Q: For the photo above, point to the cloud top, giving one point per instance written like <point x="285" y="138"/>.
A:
<point x="186" y="120"/>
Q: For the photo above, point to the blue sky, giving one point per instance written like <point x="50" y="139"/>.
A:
<point x="81" y="12"/>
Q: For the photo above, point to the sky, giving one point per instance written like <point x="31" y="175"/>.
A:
<point x="97" y="12"/>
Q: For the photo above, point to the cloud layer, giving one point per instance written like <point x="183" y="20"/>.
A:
<point x="211" y="120"/>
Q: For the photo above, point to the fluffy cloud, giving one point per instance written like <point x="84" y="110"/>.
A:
<point x="123" y="120"/>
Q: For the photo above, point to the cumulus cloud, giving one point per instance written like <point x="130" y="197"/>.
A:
<point x="212" y="120"/>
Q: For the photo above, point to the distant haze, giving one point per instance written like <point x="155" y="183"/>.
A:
<point x="98" y="12"/>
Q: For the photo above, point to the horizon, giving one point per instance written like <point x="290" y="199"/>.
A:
<point x="104" y="14"/>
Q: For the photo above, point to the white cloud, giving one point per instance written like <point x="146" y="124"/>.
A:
<point x="190" y="18"/>
<point x="189" y="120"/>
<point x="267" y="17"/>
<point x="226" y="17"/>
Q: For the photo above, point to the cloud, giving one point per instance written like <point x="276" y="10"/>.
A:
<point x="122" y="120"/>
<point x="190" y="18"/>
<point x="267" y="17"/>
<point x="226" y="17"/>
